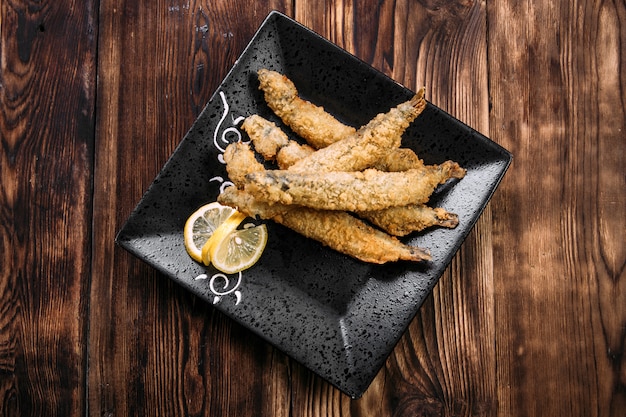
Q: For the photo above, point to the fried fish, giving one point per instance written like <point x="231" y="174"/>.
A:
<point x="401" y="221"/>
<point x="272" y="143"/>
<point x="336" y="229"/>
<point x="351" y="191"/>
<point x="267" y="138"/>
<point x="309" y="121"/>
<point x="370" y="144"/>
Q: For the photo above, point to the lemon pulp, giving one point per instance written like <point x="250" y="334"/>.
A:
<point x="201" y="225"/>
<point x="239" y="250"/>
<point x="211" y="237"/>
<point x="219" y="234"/>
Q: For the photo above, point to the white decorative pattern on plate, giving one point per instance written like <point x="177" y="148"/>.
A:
<point x="226" y="291"/>
<point x="221" y="141"/>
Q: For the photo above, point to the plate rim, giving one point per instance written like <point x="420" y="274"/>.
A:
<point x="353" y="390"/>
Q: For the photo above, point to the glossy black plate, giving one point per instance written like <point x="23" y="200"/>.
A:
<point x="337" y="316"/>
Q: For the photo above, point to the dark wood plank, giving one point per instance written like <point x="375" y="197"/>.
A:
<point x="557" y="87"/>
<point x="445" y="364"/>
<point x="529" y="318"/>
<point x="47" y="90"/>
<point x="154" y="348"/>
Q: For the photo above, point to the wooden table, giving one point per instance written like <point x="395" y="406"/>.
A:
<point x="528" y="320"/>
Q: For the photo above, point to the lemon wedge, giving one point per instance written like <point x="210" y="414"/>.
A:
<point x="239" y="249"/>
<point x="201" y="225"/>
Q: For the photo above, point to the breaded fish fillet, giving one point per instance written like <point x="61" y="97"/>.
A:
<point x="400" y="221"/>
<point x="265" y="135"/>
<point x="351" y="191"/>
<point x="336" y="229"/>
<point x="269" y="140"/>
<point x="401" y="159"/>
<point x="274" y="144"/>
<point x="306" y="119"/>
<point x="370" y="144"/>
<point x="292" y="153"/>
<point x="240" y="161"/>
<point x="279" y="89"/>
<point x="397" y="221"/>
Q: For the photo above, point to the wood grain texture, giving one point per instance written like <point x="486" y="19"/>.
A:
<point x="528" y="320"/>
<point x="154" y="349"/>
<point x="47" y="86"/>
<point x="557" y="87"/>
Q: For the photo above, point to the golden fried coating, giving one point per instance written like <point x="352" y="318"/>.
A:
<point x="336" y="229"/>
<point x="270" y="141"/>
<point x="265" y="135"/>
<point x="240" y="161"/>
<point x="312" y="123"/>
<point x="309" y="121"/>
<point x="274" y="144"/>
<point x="292" y="153"/>
<point x="401" y="159"/>
<point x="400" y="221"/>
<point x="351" y="191"/>
<point x="368" y="145"/>
<point x="397" y="221"/>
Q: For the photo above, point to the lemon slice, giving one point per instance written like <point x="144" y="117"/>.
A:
<point x="219" y="234"/>
<point x="201" y="225"/>
<point x="239" y="249"/>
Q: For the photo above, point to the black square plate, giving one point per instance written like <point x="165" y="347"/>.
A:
<point x="337" y="316"/>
